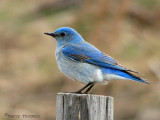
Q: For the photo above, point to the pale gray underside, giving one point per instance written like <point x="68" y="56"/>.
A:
<point x="82" y="72"/>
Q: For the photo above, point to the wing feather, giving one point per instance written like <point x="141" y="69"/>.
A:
<point x="91" y="55"/>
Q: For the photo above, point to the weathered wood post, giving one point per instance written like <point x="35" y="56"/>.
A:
<point x="84" y="107"/>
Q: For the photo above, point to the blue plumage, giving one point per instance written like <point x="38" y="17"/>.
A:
<point x="95" y="56"/>
<point x="83" y="62"/>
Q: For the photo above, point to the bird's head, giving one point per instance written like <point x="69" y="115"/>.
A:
<point x="65" y="35"/>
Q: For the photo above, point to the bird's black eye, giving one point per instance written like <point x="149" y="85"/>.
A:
<point x="63" y="34"/>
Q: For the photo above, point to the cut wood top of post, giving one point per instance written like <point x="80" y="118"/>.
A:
<point x="71" y="106"/>
<point x="83" y="95"/>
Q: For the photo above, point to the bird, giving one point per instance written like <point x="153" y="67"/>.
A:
<point x="83" y="62"/>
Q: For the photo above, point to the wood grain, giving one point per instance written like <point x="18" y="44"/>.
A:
<point x="84" y="107"/>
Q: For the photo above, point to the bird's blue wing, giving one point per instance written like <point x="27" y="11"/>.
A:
<point x="90" y="54"/>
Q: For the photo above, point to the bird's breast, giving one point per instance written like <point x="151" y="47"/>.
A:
<point x="82" y="72"/>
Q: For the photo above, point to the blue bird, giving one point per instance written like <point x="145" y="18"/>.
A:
<point x="83" y="62"/>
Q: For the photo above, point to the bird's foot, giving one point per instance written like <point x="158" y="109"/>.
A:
<point x="77" y="92"/>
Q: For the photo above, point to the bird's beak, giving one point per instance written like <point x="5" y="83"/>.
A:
<point x="51" y="34"/>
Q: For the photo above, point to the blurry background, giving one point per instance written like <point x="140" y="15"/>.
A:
<point x="127" y="30"/>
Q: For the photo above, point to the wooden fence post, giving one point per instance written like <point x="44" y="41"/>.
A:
<point x="84" y="107"/>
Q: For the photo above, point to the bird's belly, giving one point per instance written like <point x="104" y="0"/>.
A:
<point x="82" y="72"/>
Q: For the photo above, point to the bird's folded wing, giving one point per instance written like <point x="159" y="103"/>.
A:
<point x="91" y="55"/>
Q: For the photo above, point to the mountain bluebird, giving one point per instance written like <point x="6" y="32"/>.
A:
<point x="83" y="62"/>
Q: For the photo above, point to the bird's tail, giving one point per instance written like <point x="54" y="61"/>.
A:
<point x="131" y="76"/>
<point x="124" y="74"/>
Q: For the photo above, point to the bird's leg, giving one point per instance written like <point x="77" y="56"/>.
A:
<point x="89" y="88"/>
<point x="80" y="91"/>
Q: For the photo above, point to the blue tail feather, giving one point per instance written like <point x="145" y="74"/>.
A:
<point x="124" y="74"/>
